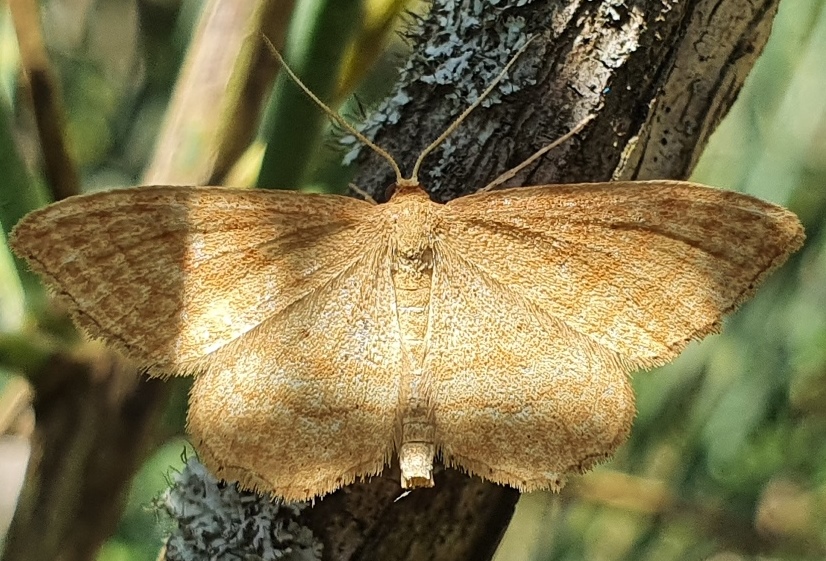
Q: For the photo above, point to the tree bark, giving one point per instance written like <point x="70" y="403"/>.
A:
<point x="96" y="424"/>
<point x="658" y="74"/>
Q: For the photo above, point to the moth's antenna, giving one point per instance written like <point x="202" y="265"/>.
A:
<point x="364" y="194"/>
<point x="455" y="124"/>
<point x="332" y="114"/>
<point x="511" y="173"/>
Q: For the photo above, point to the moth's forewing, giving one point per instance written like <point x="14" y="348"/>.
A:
<point x="640" y="267"/>
<point x="170" y="274"/>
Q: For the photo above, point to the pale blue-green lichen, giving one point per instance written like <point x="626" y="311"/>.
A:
<point x="215" y="521"/>
<point x="460" y="44"/>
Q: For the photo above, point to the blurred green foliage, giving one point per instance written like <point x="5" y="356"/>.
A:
<point x="728" y="451"/>
<point x="292" y="122"/>
<point x="143" y="527"/>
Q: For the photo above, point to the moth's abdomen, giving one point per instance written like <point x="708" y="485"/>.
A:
<point x="412" y="278"/>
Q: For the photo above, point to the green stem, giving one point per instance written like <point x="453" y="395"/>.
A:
<point x="293" y="125"/>
<point x="23" y="352"/>
<point x="19" y="195"/>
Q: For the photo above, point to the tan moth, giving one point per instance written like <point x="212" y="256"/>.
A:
<point x="327" y="334"/>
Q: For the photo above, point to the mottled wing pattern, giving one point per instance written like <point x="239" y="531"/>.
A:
<point x="641" y="268"/>
<point x="306" y="402"/>
<point x="169" y="274"/>
<point x="519" y="397"/>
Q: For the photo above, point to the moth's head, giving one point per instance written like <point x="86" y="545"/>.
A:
<point x="405" y="189"/>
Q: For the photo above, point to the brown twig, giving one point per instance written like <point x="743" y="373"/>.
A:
<point x="96" y="423"/>
<point x="60" y="169"/>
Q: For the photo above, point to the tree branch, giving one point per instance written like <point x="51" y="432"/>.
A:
<point x="95" y="425"/>
<point x="659" y="75"/>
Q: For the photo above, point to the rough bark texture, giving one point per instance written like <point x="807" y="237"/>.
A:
<point x="659" y="75"/>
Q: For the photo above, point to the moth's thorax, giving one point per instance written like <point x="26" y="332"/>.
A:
<point x="411" y="217"/>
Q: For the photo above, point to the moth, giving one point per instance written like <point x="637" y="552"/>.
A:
<point x="327" y="334"/>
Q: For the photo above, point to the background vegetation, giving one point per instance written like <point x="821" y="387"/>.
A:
<point x="727" y="460"/>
